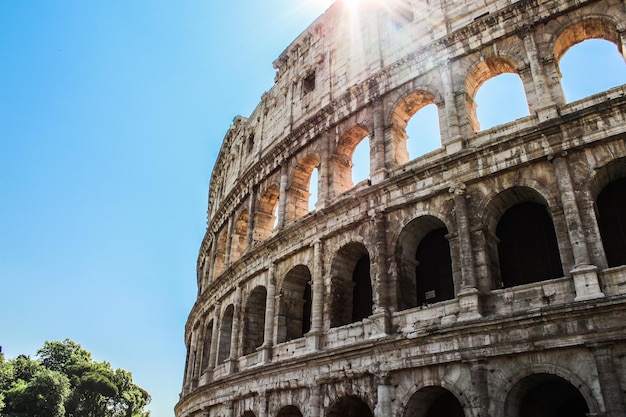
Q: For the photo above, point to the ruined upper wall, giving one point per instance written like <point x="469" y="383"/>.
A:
<point x="341" y="49"/>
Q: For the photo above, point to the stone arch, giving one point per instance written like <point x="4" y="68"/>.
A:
<point x="294" y="309"/>
<point x="545" y="395"/>
<point x="608" y="188"/>
<point x="484" y="70"/>
<point x="589" y="28"/>
<point x="404" y="110"/>
<point x="220" y="252"/>
<point x="254" y="320"/>
<point x="265" y="215"/>
<point x="226" y="334"/>
<point x="342" y="158"/>
<point x="351" y="285"/>
<point x="518" y="221"/>
<point x="299" y="192"/>
<point x="592" y="27"/>
<point x="240" y="231"/>
<point x="349" y="406"/>
<point x="289" y="411"/>
<point x="420" y="235"/>
<point x="206" y="346"/>
<point x="433" y="401"/>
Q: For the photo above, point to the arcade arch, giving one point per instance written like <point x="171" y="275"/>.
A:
<point x="351" y="285"/>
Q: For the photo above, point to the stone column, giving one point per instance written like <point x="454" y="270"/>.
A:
<point x="231" y="362"/>
<point x="214" y="340"/>
<point x="324" y="172"/>
<point x="453" y="141"/>
<point x="317" y="303"/>
<point x="378" y="156"/>
<point x="584" y="274"/>
<point x="270" y="308"/>
<point x="385" y="394"/>
<point x="229" y="242"/>
<point x="469" y="302"/>
<point x="186" y="373"/>
<point x="479" y="375"/>
<point x="263" y="412"/>
<point x="380" y="284"/>
<point x="282" y="196"/>
<point x="315" y="401"/>
<point x="544" y="107"/>
<point x="213" y="254"/>
<point x="609" y="382"/>
<point x="251" y="216"/>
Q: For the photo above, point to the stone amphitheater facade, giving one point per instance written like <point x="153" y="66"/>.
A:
<point x="484" y="278"/>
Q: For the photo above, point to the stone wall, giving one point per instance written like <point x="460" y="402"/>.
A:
<point x="277" y="329"/>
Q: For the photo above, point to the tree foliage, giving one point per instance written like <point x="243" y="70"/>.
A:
<point x="64" y="381"/>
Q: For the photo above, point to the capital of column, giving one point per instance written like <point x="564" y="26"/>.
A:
<point x="457" y="188"/>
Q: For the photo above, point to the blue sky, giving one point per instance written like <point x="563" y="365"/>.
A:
<point x="111" y="116"/>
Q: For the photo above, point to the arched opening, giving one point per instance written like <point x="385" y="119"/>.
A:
<point x="300" y="191"/>
<point x="239" y="236"/>
<point x="433" y="274"/>
<point x="611" y="205"/>
<point x="423" y="132"/>
<point x="589" y="58"/>
<point x="590" y="67"/>
<point x="206" y="346"/>
<point x="254" y="320"/>
<point x="415" y="127"/>
<point x="484" y="71"/>
<point x="361" y="161"/>
<point x="226" y="333"/>
<point x="266" y="216"/>
<point x="248" y="414"/>
<point x="351" y="285"/>
<point x="349" y="406"/>
<point x="433" y="402"/>
<point x="294" y="311"/>
<point x="500" y="100"/>
<point x="527" y="249"/>
<point x="289" y="411"/>
<point x="220" y="253"/>
<point x="545" y="395"/>
<point x="347" y="156"/>
<point x="424" y="263"/>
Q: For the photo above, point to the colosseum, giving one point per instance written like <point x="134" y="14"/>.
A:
<point x="485" y="277"/>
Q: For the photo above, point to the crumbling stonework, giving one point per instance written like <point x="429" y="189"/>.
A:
<point x="485" y="278"/>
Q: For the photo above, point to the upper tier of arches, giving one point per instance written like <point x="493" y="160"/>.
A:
<point x="266" y="195"/>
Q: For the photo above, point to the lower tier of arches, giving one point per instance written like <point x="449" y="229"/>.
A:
<point x="561" y="363"/>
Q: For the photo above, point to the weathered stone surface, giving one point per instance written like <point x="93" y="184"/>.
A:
<point x="332" y="312"/>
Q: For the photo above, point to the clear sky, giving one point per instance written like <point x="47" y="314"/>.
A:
<point x="111" y="116"/>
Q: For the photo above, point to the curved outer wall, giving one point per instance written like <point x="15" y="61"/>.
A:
<point x="320" y="313"/>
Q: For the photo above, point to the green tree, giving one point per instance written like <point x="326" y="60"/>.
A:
<point x="65" y="381"/>
<point x="35" y="391"/>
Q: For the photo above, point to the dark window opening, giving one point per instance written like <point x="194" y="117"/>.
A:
<point x="528" y="250"/>
<point x="362" y="292"/>
<point x="446" y="405"/>
<point x="612" y="221"/>
<point x="308" y="84"/>
<point x="545" y="395"/>
<point x="250" y="144"/>
<point x="433" y="402"/>
<point x="350" y="406"/>
<point x="433" y="274"/>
